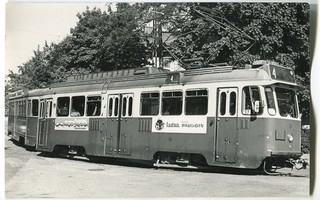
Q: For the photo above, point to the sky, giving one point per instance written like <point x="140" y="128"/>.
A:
<point x="28" y="25"/>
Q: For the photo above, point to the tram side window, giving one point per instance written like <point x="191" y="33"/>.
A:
<point x="35" y="107"/>
<point x="196" y="102"/>
<point x="94" y="106"/>
<point x="16" y="108"/>
<point x="19" y="108"/>
<point x="29" y="108"/>
<point x="233" y="103"/>
<point x="130" y="106"/>
<point x="63" y="106"/>
<point x="77" y="108"/>
<point x="24" y="108"/>
<point x="251" y="101"/>
<point x="270" y="101"/>
<point x="223" y="101"/>
<point x="171" y="103"/>
<point x="149" y="103"/>
<point x="11" y="108"/>
<point x="116" y="107"/>
<point x="49" y="109"/>
<point x="110" y="106"/>
<point x="124" y="106"/>
<point x="42" y="109"/>
<point x="127" y="106"/>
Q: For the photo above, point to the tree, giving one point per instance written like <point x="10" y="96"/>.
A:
<point x="36" y="72"/>
<point x="106" y="41"/>
<point x="239" y="33"/>
<point x="236" y="33"/>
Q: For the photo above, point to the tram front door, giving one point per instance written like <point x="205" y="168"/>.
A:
<point x="43" y="130"/>
<point x="119" y="124"/>
<point x="227" y="117"/>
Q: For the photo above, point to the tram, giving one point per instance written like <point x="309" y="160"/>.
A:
<point x="23" y="116"/>
<point x="216" y="116"/>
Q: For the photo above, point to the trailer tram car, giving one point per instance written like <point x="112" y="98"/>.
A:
<point x="23" y="116"/>
<point x="216" y="116"/>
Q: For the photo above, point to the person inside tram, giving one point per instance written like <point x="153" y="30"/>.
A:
<point x="63" y="111"/>
<point x="94" y="113"/>
<point x="74" y="113"/>
<point x="77" y="110"/>
<point x="93" y="109"/>
<point x="286" y="109"/>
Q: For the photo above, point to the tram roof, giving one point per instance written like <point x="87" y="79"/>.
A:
<point x="153" y="77"/>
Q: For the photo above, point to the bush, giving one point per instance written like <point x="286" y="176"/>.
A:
<point x="305" y="141"/>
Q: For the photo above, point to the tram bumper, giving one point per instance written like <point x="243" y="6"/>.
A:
<point x="299" y="163"/>
<point x="287" y="159"/>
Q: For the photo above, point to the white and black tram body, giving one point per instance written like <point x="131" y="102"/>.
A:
<point x="217" y="115"/>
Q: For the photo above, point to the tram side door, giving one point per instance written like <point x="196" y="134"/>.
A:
<point x="119" y="124"/>
<point x="45" y="112"/>
<point x="227" y="117"/>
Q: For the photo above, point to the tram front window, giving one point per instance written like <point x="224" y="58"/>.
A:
<point x="287" y="102"/>
<point x="251" y="101"/>
<point x="270" y="101"/>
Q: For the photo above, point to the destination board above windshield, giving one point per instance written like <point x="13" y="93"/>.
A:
<point x="282" y="73"/>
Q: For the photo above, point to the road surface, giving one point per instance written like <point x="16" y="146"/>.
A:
<point x="29" y="174"/>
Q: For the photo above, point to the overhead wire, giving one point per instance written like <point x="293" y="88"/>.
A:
<point x="217" y="21"/>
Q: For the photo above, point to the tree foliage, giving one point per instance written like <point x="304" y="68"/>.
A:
<point x="239" y="33"/>
<point x="106" y="41"/>
<point x="278" y="32"/>
<point x="36" y="72"/>
<point x="236" y="33"/>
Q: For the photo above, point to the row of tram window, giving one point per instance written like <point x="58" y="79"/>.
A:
<point x="196" y="103"/>
<point x="23" y="108"/>
<point x="169" y="103"/>
<point x="76" y="107"/>
<point x="125" y="102"/>
<point x="285" y="98"/>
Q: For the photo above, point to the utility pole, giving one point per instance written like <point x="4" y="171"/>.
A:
<point x="157" y="49"/>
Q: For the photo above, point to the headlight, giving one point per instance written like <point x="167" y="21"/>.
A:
<point x="290" y="137"/>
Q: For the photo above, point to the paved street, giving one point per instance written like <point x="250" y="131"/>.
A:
<point x="31" y="175"/>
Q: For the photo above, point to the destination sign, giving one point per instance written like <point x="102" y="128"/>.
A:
<point x="72" y="124"/>
<point x="173" y="124"/>
<point x="18" y="93"/>
<point x="282" y="73"/>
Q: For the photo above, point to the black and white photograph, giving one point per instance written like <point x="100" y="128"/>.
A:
<point x="159" y="99"/>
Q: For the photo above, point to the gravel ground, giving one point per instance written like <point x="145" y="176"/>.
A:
<point x="31" y="175"/>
